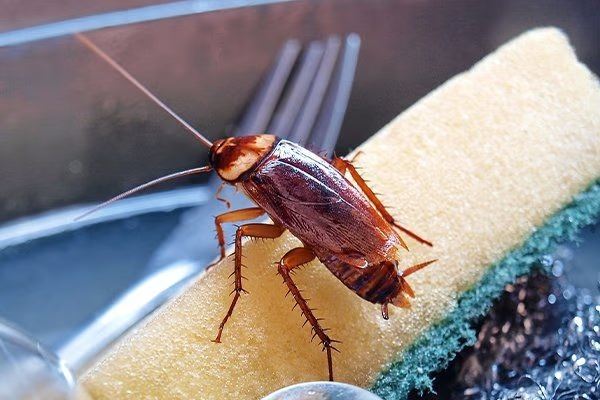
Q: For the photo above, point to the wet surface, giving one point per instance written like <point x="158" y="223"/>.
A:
<point x="541" y="339"/>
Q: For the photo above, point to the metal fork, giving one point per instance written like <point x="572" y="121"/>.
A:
<point x="303" y="98"/>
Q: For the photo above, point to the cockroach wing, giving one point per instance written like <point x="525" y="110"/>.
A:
<point x="308" y="196"/>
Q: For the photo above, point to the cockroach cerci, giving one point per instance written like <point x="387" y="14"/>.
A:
<point x="345" y="226"/>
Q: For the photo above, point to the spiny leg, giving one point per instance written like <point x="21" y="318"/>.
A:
<point x="342" y="165"/>
<point x="252" y="230"/>
<point x="234" y="216"/>
<point x="291" y="260"/>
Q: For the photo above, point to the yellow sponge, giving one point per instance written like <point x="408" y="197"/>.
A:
<point x="475" y="166"/>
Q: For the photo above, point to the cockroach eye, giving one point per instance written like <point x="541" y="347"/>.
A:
<point x="212" y="154"/>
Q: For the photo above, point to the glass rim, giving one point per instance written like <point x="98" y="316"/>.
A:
<point x="17" y="336"/>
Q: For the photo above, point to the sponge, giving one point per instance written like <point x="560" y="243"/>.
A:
<point x="493" y="166"/>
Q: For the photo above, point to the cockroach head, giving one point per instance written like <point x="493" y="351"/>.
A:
<point x="233" y="157"/>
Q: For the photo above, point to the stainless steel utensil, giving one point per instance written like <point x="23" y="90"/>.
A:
<point x="28" y="370"/>
<point x="322" y="391"/>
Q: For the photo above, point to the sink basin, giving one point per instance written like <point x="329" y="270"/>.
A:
<point x="57" y="274"/>
<point x="72" y="133"/>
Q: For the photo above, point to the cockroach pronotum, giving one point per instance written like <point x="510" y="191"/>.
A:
<point x="345" y="226"/>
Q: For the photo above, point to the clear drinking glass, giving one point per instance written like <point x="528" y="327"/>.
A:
<point x="322" y="391"/>
<point x="28" y="371"/>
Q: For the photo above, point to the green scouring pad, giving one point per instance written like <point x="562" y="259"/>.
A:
<point x="494" y="167"/>
<point x="438" y="345"/>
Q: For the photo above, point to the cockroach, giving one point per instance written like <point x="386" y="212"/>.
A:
<point x="344" y="226"/>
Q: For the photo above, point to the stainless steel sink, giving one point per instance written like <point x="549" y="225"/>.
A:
<point x="56" y="275"/>
<point x="71" y="132"/>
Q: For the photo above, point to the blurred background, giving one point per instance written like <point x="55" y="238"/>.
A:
<point x="73" y="132"/>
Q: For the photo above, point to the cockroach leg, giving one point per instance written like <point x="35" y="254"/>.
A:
<point x="220" y="198"/>
<point x="342" y="165"/>
<point x="291" y="260"/>
<point x="339" y="164"/>
<point x="355" y="156"/>
<point x="266" y="231"/>
<point x="234" y="216"/>
<point x="297" y="257"/>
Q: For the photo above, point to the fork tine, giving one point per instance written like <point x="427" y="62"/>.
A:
<point x="288" y="112"/>
<point x="260" y="110"/>
<point x="315" y="99"/>
<point x="317" y="91"/>
<point x="327" y="128"/>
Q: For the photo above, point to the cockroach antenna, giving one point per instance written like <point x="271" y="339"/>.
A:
<point x="146" y="185"/>
<point x="89" y="44"/>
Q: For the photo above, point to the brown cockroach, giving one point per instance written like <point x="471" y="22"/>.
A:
<point x="345" y="226"/>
